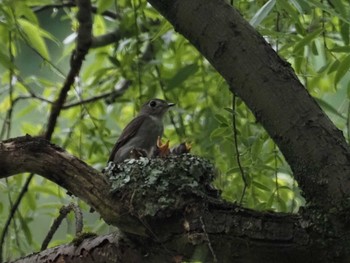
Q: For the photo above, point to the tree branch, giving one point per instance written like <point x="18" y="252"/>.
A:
<point x="106" y="39"/>
<point x="38" y="156"/>
<point x="91" y="249"/>
<point x="83" y="44"/>
<point x="128" y="200"/>
<point x="314" y="148"/>
<point x="106" y="13"/>
<point x="118" y="91"/>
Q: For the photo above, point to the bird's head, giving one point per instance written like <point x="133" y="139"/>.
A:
<point x="156" y="107"/>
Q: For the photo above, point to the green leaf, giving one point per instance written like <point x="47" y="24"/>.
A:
<point x="23" y="10"/>
<point x="35" y="37"/>
<point x="235" y="169"/>
<point x="38" y="2"/>
<point x="281" y="204"/>
<point x="342" y="69"/>
<point x="345" y="49"/>
<point x="327" y="107"/>
<point x="327" y="9"/>
<point x="5" y="59"/>
<point x="103" y="5"/>
<point x="286" y="7"/>
<point x="261" y="186"/>
<point x="300" y="6"/>
<point x="344" y="32"/>
<point x="306" y="40"/>
<point x="229" y="110"/>
<point x="334" y="66"/>
<point x="218" y="132"/>
<point x="163" y="29"/>
<point x="45" y="190"/>
<point x="220" y="118"/>
<point x="339" y="7"/>
<point x="25" y="229"/>
<point x="183" y="74"/>
<point x="270" y="200"/>
<point x="262" y="13"/>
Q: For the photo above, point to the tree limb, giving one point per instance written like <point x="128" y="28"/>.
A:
<point x="91" y="249"/>
<point x="84" y="40"/>
<point x="314" y="148"/>
<point x="176" y="226"/>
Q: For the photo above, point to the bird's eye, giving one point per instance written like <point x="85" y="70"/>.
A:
<point x="152" y="103"/>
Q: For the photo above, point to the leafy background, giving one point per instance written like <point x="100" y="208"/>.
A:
<point x="37" y="40"/>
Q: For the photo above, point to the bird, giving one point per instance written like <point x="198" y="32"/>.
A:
<point x="141" y="134"/>
<point x="182" y="148"/>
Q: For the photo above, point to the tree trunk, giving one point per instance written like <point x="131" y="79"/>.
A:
<point x="191" y="219"/>
<point x="314" y="148"/>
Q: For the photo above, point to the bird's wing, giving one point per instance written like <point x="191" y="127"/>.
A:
<point x="128" y="132"/>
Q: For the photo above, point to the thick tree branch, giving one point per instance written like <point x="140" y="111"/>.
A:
<point x="163" y="208"/>
<point x="268" y="85"/>
<point x="91" y="249"/>
<point x="38" y="156"/>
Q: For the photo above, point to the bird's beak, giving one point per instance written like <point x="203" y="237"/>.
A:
<point x="170" y="104"/>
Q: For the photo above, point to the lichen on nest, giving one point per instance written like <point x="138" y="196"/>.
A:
<point x="148" y="186"/>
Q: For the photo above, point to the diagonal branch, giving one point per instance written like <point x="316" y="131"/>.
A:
<point x="38" y="156"/>
<point x="311" y="144"/>
<point x="178" y="222"/>
<point x="83" y="44"/>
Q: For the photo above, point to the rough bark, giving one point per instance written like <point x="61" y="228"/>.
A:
<point x="188" y="215"/>
<point x="108" y="249"/>
<point x="314" y="148"/>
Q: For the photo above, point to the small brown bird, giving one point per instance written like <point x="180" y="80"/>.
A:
<point x="181" y="148"/>
<point x="142" y="132"/>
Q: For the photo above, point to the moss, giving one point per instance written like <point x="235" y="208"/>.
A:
<point x="150" y="186"/>
<point x="81" y="237"/>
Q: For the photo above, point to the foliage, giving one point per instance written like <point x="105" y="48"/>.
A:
<point x="34" y="58"/>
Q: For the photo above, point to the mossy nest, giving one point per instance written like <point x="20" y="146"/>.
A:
<point x="159" y="186"/>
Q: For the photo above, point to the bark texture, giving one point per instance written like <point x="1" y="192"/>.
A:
<point x="169" y="210"/>
<point x="108" y="249"/>
<point x="314" y="148"/>
<point x="312" y="145"/>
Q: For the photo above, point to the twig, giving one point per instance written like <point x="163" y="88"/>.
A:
<point x="83" y="45"/>
<point x="276" y="174"/>
<point x="118" y="91"/>
<point x="180" y="133"/>
<point x="32" y="97"/>
<point x="236" y="148"/>
<point x="106" y="39"/>
<point x="7" y="126"/>
<point x="348" y="122"/>
<point x="215" y="259"/>
<point x="13" y="211"/>
<point x="34" y="49"/>
<point x="63" y="214"/>
<point x="106" y="13"/>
